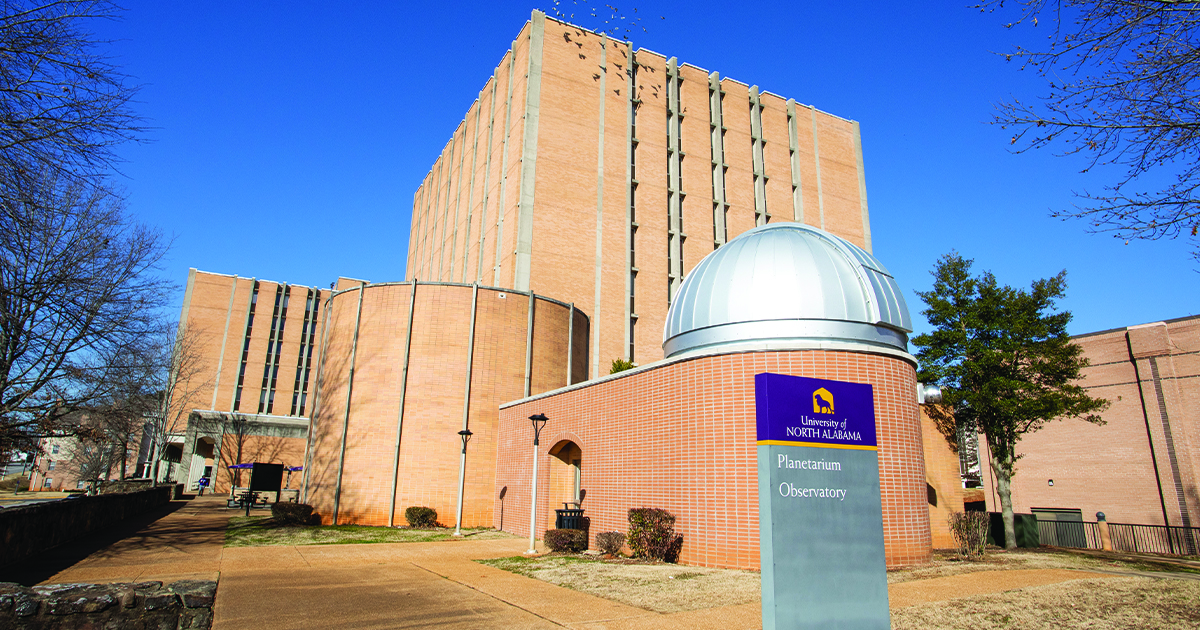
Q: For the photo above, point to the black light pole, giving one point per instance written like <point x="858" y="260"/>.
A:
<point x="539" y="421"/>
<point x="465" y="434"/>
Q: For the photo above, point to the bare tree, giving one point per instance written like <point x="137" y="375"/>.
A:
<point x="179" y="376"/>
<point x="1123" y="84"/>
<point x="63" y="106"/>
<point x="78" y="302"/>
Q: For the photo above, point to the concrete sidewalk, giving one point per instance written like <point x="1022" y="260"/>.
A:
<point x="181" y="540"/>
<point x="405" y="585"/>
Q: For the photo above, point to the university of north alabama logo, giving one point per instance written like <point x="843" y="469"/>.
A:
<point x="822" y="401"/>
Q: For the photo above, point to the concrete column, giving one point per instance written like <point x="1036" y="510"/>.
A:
<point x="337" y="493"/>
<point x="794" y="159"/>
<point x="487" y="174"/>
<point x="412" y="305"/>
<point x="817" y="160"/>
<point x="224" y="339"/>
<point x="533" y="97"/>
<point x="598" y="265"/>
<point x="501" y="207"/>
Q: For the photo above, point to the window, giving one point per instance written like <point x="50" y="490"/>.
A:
<point x="47" y="482"/>
<point x="54" y="450"/>
<point x="51" y="465"/>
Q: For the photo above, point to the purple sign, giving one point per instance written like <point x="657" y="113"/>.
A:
<point x="801" y="411"/>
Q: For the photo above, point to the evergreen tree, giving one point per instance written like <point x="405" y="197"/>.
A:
<point x="1004" y="362"/>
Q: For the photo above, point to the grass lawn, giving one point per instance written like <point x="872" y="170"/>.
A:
<point x="1109" y="603"/>
<point x="261" y="531"/>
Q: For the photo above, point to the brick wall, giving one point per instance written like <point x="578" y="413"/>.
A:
<point x="1150" y="375"/>
<point x="434" y="400"/>
<point x="680" y="436"/>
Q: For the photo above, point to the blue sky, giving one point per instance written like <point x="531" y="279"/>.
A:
<point x="288" y="138"/>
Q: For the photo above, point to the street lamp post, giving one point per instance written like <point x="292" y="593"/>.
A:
<point x="465" y="434"/>
<point x="539" y="421"/>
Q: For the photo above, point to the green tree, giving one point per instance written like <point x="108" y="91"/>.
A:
<point x="1004" y="362"/>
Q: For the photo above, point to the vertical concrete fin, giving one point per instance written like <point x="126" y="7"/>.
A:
<point x="794" y="155"/>
<point x="466" y="250"/>
<point x="630" y="190"/>
<point x="529" y="347"/>
<point x="233" y="399"/>
<point x="717" y="147"/>
<point x="862" y="187"/>
<point x="502" y="207"/>
<point x="224" y="340"/>
<point x="412" y="304"/>
<point x="571" y="344"/>
<point x="599" y="264"/>
<point x="446" y="212"/>
<point x="758" y="159"/>
<point x="337" y="492"/>
<point x="817" y="160"/>
<point x="674" y="181"/>
<point x="462" y="155"/>
<point x="533" y="97"/>
<point x="316" y="406"/>
<point x="487" y="174"/>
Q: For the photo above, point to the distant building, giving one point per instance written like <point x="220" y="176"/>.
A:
<point x="1142" y="465"/>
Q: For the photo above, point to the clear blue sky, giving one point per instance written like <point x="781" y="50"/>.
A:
<point x="288" y="138"/>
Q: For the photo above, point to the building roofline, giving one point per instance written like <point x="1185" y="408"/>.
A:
<point x="1125" y="328"/>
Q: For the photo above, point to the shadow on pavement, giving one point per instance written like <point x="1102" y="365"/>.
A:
<point x="40" y="567"/>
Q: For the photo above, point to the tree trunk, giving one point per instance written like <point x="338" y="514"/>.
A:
<point x="1004" y="490"/>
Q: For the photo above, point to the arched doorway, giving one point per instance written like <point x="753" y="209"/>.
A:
<point x="566" y="479"/>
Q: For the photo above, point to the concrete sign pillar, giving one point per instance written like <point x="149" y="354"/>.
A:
<point x="820" y="514"/>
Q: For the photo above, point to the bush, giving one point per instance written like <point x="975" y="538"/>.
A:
<point x="568" y="540"/>
<point x="421" y="516"/>
<point x="292" y="513"/>
<point x="970" y="531"/>
<point x="610" y="542"/>
<point x="652" y="534"/>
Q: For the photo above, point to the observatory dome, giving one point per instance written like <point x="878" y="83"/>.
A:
<point x="787" y="285"/>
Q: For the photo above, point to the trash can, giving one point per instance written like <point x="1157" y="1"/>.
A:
<point x="568" y="519"/>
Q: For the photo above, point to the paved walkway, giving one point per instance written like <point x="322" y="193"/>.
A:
<point x="401" y="585"/>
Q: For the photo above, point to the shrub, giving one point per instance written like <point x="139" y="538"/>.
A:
<point x="610" y="542"/>
<point x="652" y="534"/>
<point x="569" y="540"/>
<point x="421" y="516"/>
<point x="292" y="513"/>
<point x="620" y="365"/>
<point x="970" y="531"/>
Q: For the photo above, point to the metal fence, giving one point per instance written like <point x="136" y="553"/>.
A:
<point x="1162" y="539"/>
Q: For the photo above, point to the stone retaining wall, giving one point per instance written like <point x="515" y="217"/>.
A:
<point x="31" y="529"/>
<point x="150" y="605"/>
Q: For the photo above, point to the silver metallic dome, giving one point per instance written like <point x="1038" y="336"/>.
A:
<point x="787" y="285"/>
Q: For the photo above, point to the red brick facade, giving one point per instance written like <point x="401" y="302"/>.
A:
<point x="1141" y="465"/>
<point x="681" y="436"/>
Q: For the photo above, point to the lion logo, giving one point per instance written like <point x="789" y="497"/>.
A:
<point x="822" y="401"/>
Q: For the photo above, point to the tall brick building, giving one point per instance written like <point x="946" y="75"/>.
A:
<point x="551" y="237"/>
<point x="601" y="175"/>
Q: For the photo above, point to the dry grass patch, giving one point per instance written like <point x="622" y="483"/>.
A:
<point x="1097" y="604"/>
<point x="660" y="587"/>
<point x="262" y="531"/>
<point x="946" y="563"/>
